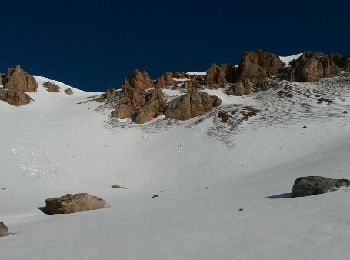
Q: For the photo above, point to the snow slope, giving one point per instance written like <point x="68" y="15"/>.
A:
<point x="60" y="144"/>
<point x="288" y="59"/>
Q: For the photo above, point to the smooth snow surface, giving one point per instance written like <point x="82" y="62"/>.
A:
<point x="60" y="144"/>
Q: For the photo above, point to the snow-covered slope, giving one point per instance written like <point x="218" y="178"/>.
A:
<point x="202" y="170"/>
<point x="288" y="59"/>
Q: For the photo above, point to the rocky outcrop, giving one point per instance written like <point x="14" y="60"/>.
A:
<point x="139" y="103"/>
<point x="3" y="230"/>
<point x="312" y="66"/>
<point x="110" y="93"/>
<point x="19" y="80"/>
<point x="165" y="81"/>
<point x="15" y="83"/>
<point x="122" y="111"/>
<point x="191" y="105"/>
<point x="51" y="87"/>
<point x="15" y="98"/>
<point x="216" y="76"/>
<point x="139" y="81"/>
<point x="68" y="91"/>
<point x="73" y="203"/>
<point x="314" y="185"/>
<point x="154" y="104"/>
<point x="258" y="65"/>
<point x="254" y="73"/>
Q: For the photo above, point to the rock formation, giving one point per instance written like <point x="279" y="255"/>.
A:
<point x="139" y="103"/>
<point x="15" y="83"/>
<point x="258" y="64"/>
<point x="3" y="230"/>
<point x="110" y="93"/>
<point x="51" y="87"/>
<point x="153" y="105"/>
<point x="191" y="105"/>
<point x="216" y="76"/>
<point x="19" y="80"/>
<point x="312" y="66"/>
<point x="314" y="185"/>
<point x="73" y="203"/>
<point x="68" y="91"/>
<point x="138" y="81"/>
<point x="165" y="81"/>
<point x="15" y="98"/>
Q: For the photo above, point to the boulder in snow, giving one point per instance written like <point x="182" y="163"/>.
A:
<point x="69" y="91"/>
<point x="191" y="105"/>
<point x="73" y="203"/>
<point x="3" y="230"/>
<point x="51" y="87"/>
<point x="19" y="80"/>
<point x="14" y="97"/>
<point x="314" y="185"/>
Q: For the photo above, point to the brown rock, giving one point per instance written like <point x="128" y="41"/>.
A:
<point x="258" y="64"/>
<point x="110" y="93"/>
<point x="165" y="80"/>
<point x="73" y="203"/>
<point x="312" y="66"/>
<point x="140" y="105"/>
<point x="19" y="80"/>
<point x="191" y="105"/>
<point x="3" y="230"/>
<point x="51" y="87"/>
<point x="154" y="104"/>
<point x="122" y="111"/>
<point x="139" y="81"/>
<point x="15" y="98"/>
<point x="69" y="91"/>
<point x="216" y="76"/>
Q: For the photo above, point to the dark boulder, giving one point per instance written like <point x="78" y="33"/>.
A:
<point x="73" y="203"/>
<point x="314" y="185"/>
<point x="3" y="230"/>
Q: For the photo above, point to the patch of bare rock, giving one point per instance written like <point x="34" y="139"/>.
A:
<point x="51" y="87"/>
<point x="4" y="231"/>
<point x="140" y="101"/>
<point x="315" y="185"/>
<point x="68" y="91"/>
<point x="15" y="83"/>
<point x="69" y="203"/>
<point x="191" y="105"/>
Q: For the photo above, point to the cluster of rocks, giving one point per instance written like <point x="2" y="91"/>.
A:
<point x="15" y="83"/>
<point x="143" y="100"/>
<point x="312" y="66"/>
<point x="69" y="203"/>
<point x="260" y="70"/>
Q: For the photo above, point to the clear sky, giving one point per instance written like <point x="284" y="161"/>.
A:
<point x="93" y="45"/>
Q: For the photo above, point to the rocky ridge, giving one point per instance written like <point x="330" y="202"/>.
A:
<point x="257" y="71"/>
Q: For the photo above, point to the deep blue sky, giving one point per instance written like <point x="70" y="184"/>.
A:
<point x="93" y="45"/>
